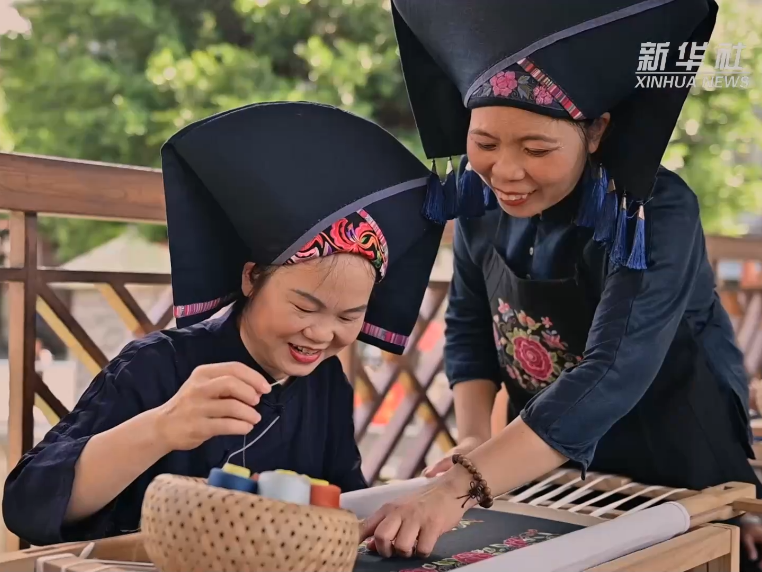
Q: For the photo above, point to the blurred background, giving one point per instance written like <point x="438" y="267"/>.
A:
<point x="111" y="80"/>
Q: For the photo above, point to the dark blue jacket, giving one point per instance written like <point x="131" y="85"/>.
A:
<point x="314" y="435"/>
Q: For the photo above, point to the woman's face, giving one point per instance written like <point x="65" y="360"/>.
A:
<point x="305" y="313"/>
<point x="531" y="161"/>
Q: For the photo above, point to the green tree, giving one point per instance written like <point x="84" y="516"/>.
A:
<point x="716" y="144"/>
<point x="111" y="80"/>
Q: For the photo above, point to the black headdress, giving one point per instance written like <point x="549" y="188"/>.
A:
<point x="571" y="60"/>
<point x="276" y="183"/>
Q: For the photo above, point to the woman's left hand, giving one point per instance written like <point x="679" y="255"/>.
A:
<point x="412" y="525"/>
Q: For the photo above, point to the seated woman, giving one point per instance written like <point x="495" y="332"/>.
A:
<point x="258" y="199"/>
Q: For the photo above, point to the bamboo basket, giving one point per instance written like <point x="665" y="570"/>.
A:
<point x="190" y="526"/>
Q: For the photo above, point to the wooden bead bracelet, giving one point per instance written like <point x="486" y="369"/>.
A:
<point x="479" y="489"/>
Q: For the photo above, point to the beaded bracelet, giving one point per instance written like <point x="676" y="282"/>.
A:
<point x="479" y="489"/>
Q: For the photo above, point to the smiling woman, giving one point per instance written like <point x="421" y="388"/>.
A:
<point x="530" y="161"/>
<point x="309" y="260"/>
<point x="299" y="315"/>
<point x="584" y="288"/>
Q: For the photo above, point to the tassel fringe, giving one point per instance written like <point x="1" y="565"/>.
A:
<point x="637" y="260"/>
<point x="604" y="226"/>
<point x="619" y="248"/>
<point x="455" y="197"/>
<point x="490" y="200"/>
<point x="434" y="205"/>
<point x="470" y="194"/>
<point x="592" y="200"/>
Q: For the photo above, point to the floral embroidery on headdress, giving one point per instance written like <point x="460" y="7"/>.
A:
<point x="525" y="82"/>
<point x="357" y="233"/>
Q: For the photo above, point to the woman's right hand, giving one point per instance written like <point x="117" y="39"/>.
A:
<point x="467" y="445"/>
<point x="217" y="399"/>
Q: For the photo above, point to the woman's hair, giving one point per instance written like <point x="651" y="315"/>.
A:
<point x="259" y="275"/>
<point x="584" y="127"/>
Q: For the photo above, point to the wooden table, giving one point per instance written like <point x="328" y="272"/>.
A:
<point x="708" y="546"/>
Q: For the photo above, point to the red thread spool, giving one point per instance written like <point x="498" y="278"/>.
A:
<point x="324" y="494"/>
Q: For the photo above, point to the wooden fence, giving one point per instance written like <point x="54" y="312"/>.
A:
<point x="32" y="186"/>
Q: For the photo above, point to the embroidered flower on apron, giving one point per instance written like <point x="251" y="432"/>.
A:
<point x="530" y="350"/>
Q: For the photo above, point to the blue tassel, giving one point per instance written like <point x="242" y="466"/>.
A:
<point x="434" y="208"/>
<point x="592" y="199"/>
<point x="619" y="249"/>
<point x="637" y="260"/>
<point x="450" y="188"/>
<point x="470" y="194"/>
<point x="490" y="200"/>
<point x="604" y="226"/>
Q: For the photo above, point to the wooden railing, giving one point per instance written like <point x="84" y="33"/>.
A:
<point x="33" y="186"/>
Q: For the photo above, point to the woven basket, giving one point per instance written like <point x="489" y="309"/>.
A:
<point x="190" y="526"/>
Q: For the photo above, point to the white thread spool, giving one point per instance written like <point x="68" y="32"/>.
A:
<point x="285" y="486"/>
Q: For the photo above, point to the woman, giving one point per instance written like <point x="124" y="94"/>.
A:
<point x="297" y="213"/>
<point x="591" y="279"/>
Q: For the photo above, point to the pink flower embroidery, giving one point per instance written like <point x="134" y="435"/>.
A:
<point x="529" y="350"/>
<point x="515" y="542"/>
<point x="471" y="557"/>
<point x="534" y="358"/>
<point x="542" y="95"/>
<point x="503" y="83"/>
<point x="553" y="341"/>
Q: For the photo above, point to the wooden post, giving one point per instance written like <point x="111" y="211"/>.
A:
<point x="21" y="342"/>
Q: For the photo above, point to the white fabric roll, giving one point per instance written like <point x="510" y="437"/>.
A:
<point x="367" y="501"/>
<point x="595" y="544"/>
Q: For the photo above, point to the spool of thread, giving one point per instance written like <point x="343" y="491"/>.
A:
<point x="229" y="480"/>
<point x="323" y="493"/>
<point x="236" y="470"/>
<point x="285" y="486"/>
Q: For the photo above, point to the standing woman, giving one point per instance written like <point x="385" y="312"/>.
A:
<point x="585" y="288"/>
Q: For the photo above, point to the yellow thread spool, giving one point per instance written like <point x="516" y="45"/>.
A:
<point x="236" y="470"/>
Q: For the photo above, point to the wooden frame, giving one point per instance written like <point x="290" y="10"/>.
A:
<point x="707" y="546"/>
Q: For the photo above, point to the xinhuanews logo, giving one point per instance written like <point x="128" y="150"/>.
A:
<point x="713" y="81"/>
<point x="727" y="72"/>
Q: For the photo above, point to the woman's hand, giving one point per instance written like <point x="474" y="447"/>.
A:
<point x="751" y="537"/>
<point x="413" y="525"/>
<point x="467" y="445"/>
<point x="217" y="399"/>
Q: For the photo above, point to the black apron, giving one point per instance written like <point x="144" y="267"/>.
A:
<point x="680" y="434"/>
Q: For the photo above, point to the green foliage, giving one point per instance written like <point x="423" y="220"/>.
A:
<point x="716" y="145"/>
<point x="111" y="80"/>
